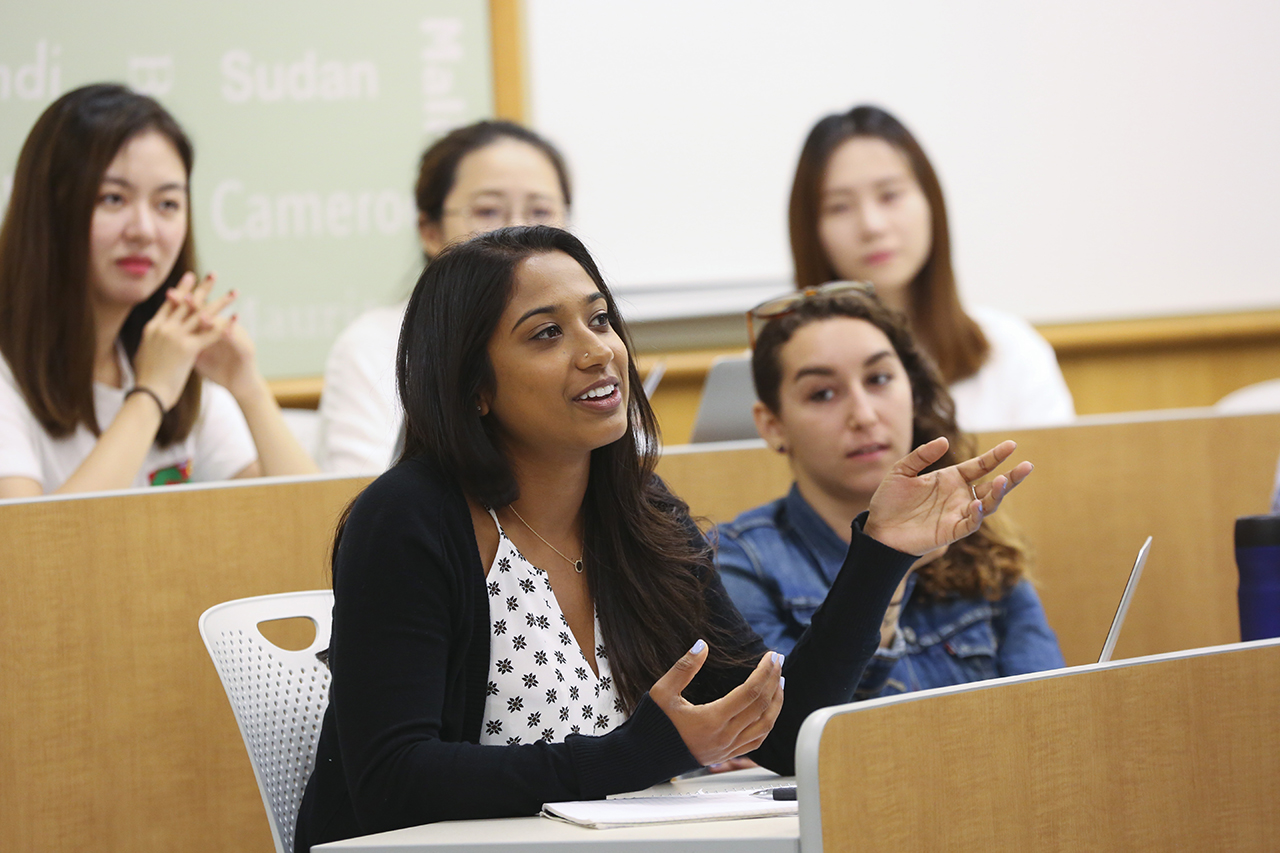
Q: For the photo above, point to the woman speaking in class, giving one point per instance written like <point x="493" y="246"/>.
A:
<point x="523" y="613"/>
<point x="474" y="179"/>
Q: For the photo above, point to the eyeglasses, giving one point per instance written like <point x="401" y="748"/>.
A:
<point x="781" y="306"/>
<point x="490" y="215"/>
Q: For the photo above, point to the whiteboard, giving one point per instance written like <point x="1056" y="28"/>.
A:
<point x="1099" y="159"/>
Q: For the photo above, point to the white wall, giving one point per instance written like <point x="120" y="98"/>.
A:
<point x="1101" y="158"/>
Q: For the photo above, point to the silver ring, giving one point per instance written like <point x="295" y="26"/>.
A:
<point x="973" y="491"/>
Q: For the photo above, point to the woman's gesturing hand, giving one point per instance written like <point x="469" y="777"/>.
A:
<point x="734" y="724"/>
<point x="916" y="513"/>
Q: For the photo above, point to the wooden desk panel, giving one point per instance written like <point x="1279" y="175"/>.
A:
<point x="1098" y="490"/>
<point x="1179" y="754"/>
<point x="117" y="733"/>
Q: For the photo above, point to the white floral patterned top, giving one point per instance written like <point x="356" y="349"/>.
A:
<point x="541" y="686"/>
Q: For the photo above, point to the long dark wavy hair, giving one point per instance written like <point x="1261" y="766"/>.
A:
<point x="646" y="564"/>
<point x="46" y="320"/>
<point x="985" y="564"/>
<point x="950" y="335"/>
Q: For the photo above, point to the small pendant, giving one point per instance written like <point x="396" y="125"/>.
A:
<point x="577" y="566"/>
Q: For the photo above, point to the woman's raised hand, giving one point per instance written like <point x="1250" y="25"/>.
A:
<point x="230" y="359"/>
<point x="172" y="340"/>
<point x="916" y="513"/>
<point x="734" y="724"/>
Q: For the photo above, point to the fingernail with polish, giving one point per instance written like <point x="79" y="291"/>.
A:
<point x="782" y="682"/>
<point x="697" y="648"/>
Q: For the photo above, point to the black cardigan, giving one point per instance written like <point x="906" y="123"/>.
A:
<point x="410" y="659"/>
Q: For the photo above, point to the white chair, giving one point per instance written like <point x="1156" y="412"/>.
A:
<point x="278" y="696"/>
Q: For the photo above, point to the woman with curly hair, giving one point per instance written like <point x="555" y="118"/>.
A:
<point x="844" y="392"/>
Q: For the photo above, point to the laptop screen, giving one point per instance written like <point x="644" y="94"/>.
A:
<point x="1134" y="574"/>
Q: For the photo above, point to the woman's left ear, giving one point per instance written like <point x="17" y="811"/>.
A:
<point x="482" y="408"/>
<point x="768" y="426"/>
<point x="430" y="235"/>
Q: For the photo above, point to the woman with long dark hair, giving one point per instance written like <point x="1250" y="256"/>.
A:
<point x="844" y="391"/>
<point x="523" y="613"/>
<point x="105" y="330"/>
<point x="473" y="179"/>
<point x="867" y="205"/>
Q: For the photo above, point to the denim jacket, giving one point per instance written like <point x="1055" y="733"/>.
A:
<point x="778" y="561"/>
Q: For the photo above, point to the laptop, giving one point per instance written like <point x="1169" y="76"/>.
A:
<point x="724" y="412"/>
<point x="1136" y="572"/>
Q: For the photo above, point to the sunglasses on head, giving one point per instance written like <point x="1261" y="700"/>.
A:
<point x="781" y="306"/>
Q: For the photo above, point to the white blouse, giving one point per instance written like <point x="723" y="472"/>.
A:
<point x="541" y="687"/>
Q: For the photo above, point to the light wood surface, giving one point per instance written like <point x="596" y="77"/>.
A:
<point x="1163" y="332"/>
<point x="541" y="835"/>
<point x="1098" y="490"/>
<point x="506" y="38"/>
<point x="116" y="732"/>
<point x="1112" y="366"/>
<point x="1171" y="755"/>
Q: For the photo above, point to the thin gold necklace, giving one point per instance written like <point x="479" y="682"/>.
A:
<point x="577" y="564"/>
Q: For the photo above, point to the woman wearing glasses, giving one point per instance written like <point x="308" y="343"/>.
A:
<point x="472" y="180"/>
<point x="844" y="393"/>
<point x="866" y="205"/>
<point x="523" y="613"/>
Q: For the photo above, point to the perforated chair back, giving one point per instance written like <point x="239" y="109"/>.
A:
<point x="278" y="696"/>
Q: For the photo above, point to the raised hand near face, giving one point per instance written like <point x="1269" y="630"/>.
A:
<point x="734" y="724"/>
<point x="230" y="358"/>
<point x="916" y="513"/>
<point x="173" y="339"/>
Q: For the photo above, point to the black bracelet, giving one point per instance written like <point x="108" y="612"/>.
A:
<point x="143" y="389"/>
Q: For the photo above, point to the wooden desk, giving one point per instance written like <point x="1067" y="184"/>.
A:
<point x="1171" y="752"/>
<point x="114" y="729"/>
<point x="541" y="835"/>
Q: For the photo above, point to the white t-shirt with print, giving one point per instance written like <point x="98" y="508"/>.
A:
<point x="218" y="447"/>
